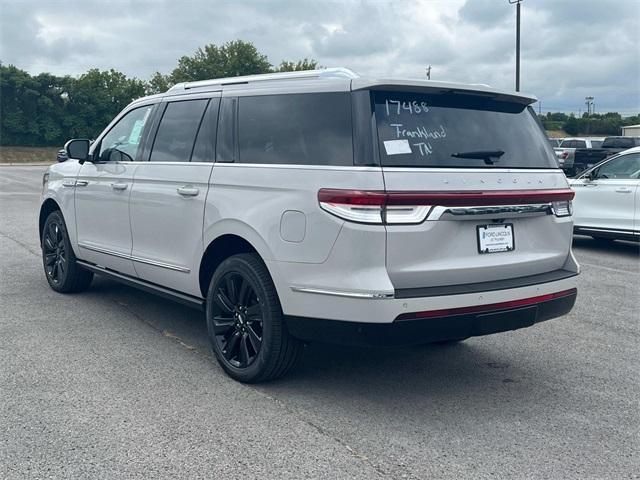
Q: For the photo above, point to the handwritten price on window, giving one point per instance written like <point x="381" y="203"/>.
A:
<point x="396" y="107"/>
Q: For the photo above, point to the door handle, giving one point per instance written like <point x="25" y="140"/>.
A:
<point x="188" y="191"/>
<point x="69" y="183"/>
<point x="81" y="183"/>
<point x="623" y="190"/>
<point x="119" y="186"/>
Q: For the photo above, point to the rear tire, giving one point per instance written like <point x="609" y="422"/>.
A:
<point x="60" y="264"/>
<point x="245" y="322"/>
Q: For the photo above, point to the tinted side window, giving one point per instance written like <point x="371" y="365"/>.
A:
<point x="177" y="131"/>
<point x="206" y="139"/>
<point x="624" y="166"/>
<point x="580" y="144"/>
<point x="307" y="129"/>
<point x="122" y="142"/>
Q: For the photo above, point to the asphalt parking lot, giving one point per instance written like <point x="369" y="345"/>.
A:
<point x="114" y="382"/>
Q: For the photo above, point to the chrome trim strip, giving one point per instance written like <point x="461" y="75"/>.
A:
<point x="299" y="167"/>
<point x="472" y="170"/>
<point x="134" y="258"/>
<point x="342" y="293"/>
<point x="106" y="251"/>
<point x="440" y="212"/>
<point x="155" y="263"/>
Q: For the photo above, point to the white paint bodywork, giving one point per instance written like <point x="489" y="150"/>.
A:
<point x="610" y="204"/>
<point x="332" y="269"/>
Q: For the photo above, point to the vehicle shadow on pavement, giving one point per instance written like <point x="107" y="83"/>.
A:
<point x="467" y="373"/>
<point x="620" y="247"/>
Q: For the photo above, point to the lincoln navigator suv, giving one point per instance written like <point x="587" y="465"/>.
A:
<point x="320" y="206"/>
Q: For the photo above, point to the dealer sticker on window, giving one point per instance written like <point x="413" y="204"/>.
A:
<point x="495" y="238"/>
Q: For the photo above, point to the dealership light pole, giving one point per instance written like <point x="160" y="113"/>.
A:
<point x="517" y="2"/>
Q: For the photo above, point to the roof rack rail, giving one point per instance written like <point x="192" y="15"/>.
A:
<point x="337" y="72"/>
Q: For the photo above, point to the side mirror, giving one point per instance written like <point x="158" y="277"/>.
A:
<point x="78" y="149"/>
<point x="591" y="175"/>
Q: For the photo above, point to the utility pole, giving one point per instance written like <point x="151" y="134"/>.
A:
<point x="588" y="101"/>
<point x="517" y="2"/>
<point x="429" y="72"/>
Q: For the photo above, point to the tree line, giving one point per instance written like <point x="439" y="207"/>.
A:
<point x="47" y="110"/>
<point x="588" y="124"/>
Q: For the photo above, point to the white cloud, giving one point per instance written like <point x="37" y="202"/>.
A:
<point x="569" y="48"/>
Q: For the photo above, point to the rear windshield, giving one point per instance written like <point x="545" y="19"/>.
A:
<point x="456" y="130"/>
<point x="618" y="142"/>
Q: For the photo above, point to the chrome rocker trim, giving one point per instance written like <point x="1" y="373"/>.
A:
<point x="134" y="258"/>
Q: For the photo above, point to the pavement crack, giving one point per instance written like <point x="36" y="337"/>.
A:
<point x="22" y="244"/>
<point x="165" y="333"/>
<point x="354" y="452"/>
<point x="381" y="472"/>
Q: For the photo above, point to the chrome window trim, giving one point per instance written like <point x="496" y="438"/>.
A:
<point x="299" y="166"/>
<point x="472" y="170"/>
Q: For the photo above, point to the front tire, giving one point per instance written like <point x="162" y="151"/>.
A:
<point x="60" y="266"/>
<point x="245" y="322"/>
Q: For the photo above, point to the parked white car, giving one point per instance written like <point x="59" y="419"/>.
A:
<point x="607" y="201"/>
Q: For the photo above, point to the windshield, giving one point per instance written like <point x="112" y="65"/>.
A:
<point x="458" y="130"/>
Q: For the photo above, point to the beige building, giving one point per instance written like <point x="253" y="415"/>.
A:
<point x="631" y="131"/>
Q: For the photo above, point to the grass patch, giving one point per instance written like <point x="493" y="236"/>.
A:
<point x="28" y="154"/>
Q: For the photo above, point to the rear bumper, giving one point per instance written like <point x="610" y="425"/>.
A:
<point x="439" y="325"/>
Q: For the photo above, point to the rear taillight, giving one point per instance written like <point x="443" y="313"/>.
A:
<point x="562" y="208"/>
<point x="564" y="155"/>
<point x="373" y="206"/>
<point x="378" y="207"/>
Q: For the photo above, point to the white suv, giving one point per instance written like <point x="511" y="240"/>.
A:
<point x="320" y="206"/>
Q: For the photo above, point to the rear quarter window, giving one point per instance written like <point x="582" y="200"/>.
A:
<point x="440" y="130"/>
<point x="304" y="129"/>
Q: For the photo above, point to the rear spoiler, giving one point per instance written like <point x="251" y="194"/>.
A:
<point x="427" y="86"/>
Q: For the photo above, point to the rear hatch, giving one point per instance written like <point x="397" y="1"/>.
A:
<point x="473" y="190"/>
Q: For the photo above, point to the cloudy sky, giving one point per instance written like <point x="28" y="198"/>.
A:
<point x="570" y="48"/>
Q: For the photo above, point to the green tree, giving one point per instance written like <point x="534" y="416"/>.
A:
<point x="572" y="126"/>
<point x="158" y="84"/>
<point x="31" y="108"/>
<point x="305" y="64"/>
<point x="229" y="60"/>
<point x="95" y="98"/>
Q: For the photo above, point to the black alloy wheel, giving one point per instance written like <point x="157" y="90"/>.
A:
<point x="246" y="327"/>
<point x="54" y="249"/>
<point x="61" y="269"/>
<point x="237" y="319"/>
